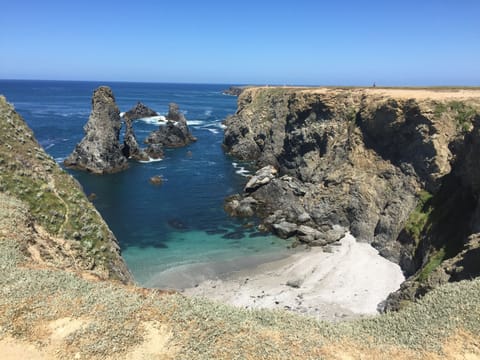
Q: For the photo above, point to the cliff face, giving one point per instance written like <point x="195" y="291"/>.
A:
<point x="66" y="231"/>
<point x="358" y="158"/>
<point x="100" y="150"/>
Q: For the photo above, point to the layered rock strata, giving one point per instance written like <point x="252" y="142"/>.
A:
<point x="357" y="160"/>
<point x="100" y="150"/>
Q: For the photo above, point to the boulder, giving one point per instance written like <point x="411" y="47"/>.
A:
<point x="285" y="229"/>
<point x="100" y="151"/>
<point x="307" y="234"/>
<point x="241" y="208"/>
<point x="261" y="177"/>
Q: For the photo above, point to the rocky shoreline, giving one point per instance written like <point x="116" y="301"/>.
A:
<point x="358" y="160"/>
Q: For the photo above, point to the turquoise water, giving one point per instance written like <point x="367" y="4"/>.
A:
<point x="172" y="235"/>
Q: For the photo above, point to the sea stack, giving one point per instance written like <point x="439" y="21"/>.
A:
<point x="175" y="133"/>
<point x="100" y="151"/>
<point x="130" y="148"/>
<point x="140" y="111"/>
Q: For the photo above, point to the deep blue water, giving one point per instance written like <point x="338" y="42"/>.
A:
<point x="161" y="229"/>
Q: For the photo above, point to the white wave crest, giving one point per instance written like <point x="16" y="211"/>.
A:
<point x="154" y="120"/>
<point x="122" y="114"/>
<point x="150" y="160"/>
<point x="195" y="122"/>
<point x="240" y="170"/>
<point x="208" y="112"/>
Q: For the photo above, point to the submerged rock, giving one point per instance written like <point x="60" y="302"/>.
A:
<point x="156" y="180"/>
<point x="100" y="151"/>
<point x="177" y="224"/>
<point x="175" y="133"/>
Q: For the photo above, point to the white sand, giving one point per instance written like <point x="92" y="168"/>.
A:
<point x="348" y="282"/>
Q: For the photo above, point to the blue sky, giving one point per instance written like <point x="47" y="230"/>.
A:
<point x="262" y="42"/>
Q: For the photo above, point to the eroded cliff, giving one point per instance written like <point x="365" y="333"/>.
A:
<point x="69" y="231"/>
<point x="360" y="160"/>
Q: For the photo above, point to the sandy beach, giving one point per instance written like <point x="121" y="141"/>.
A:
<point x="347" y="281"/>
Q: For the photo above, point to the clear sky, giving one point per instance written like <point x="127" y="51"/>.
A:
<point x="342" y="42"/>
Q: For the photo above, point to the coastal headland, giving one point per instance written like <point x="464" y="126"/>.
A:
<point x="397" y="168"/>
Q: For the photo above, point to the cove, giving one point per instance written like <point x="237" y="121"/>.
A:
<point x="176" y="234"/>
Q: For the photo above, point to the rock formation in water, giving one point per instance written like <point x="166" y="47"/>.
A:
<point x="131" y="149"/>
<point x="139" y="111"/>
<point x="361" y="160"/>
<point x="175" y="133"/>
<point x="234" y="90"/>
<point x="100" y="150"/>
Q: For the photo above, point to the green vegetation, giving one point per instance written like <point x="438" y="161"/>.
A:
<point x="463" y="113"/>
<point x="434" y="261"/>
<point x="418" y="219"/>
<point x="113" y="316"/>
<point x="56" y="201"/>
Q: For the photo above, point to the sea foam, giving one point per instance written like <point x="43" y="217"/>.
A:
<point x="240" y="170"/>
<point x="150" y="160"/>
<point x="154" y="120"/>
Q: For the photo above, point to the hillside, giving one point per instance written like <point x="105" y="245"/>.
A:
<point x="60" y="294"/>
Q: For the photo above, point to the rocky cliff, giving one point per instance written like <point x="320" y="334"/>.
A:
<point x="68" y="232"/>
<point x="100" y="150"/>
<point x="358" y="160"/>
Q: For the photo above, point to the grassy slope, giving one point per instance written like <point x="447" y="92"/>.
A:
<point x="55" y="200"/>
<point x="114" y="317"/>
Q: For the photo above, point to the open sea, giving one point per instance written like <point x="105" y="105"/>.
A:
<point x="176" y="234"/>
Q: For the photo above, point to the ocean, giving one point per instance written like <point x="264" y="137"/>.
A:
<point x="177" y="234"/>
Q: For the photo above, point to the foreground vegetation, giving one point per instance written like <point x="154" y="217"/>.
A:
<point x="109" y="320"/>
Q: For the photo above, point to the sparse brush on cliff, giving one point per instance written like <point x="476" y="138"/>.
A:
<point x="419" y="217"/>
<point x="56" y="201"/>
<point x="463" y="113"/>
